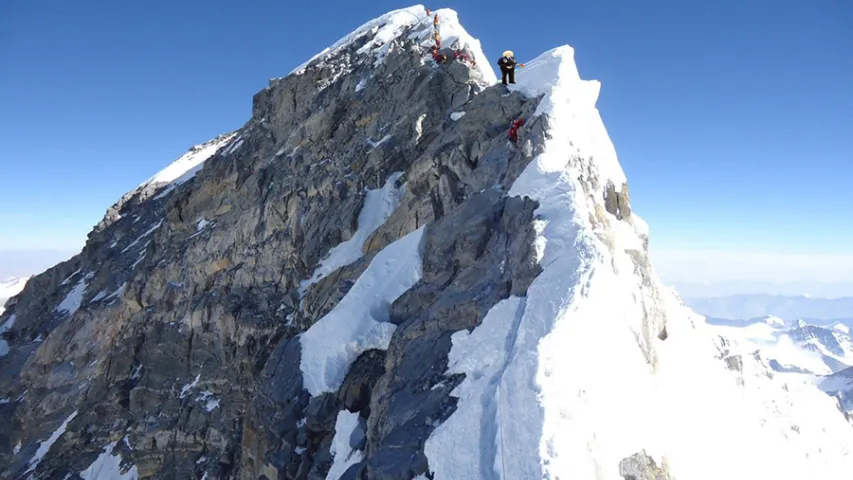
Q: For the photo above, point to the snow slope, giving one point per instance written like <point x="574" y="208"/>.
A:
<point x="108" y="467"/>
<point x="187" y="165"/>
<point x="359" y="321"/>
<point x="390" y="26"/>
<point x="9" y="288"/>
<point x="567" y="382"/>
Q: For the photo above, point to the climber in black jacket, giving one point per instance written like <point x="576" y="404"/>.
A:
<point x="507" y="64"/>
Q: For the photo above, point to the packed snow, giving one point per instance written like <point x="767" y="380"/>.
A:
<point x="455" y="116"/>
<point x="108" y="467"/>
<point x="378" y="205"/>
<point x="44" y="446"/>
<point x="347" y="435"/>
<point x="72" y="301"/>
<point x="360" y="320"/>
<point x="9" y="288"/>
<point x="184" y="168"/>
<point x="547" y="376"/>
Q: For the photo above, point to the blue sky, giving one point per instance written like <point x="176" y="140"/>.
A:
<point x="733" y="120"/>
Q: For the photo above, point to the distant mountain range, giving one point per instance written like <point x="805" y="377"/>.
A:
<point x="814" y="310"/>
<point x="792" y="347"/>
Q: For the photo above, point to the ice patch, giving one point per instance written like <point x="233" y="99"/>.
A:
<point x="419" y="126"/>
<point x="44" y="446"/>
<point x="108" y="467"/>
<point x="117" y="293"/>
<point x="138" y="260"/>
<point x="360" y="321"/>
<point x="380" y="142"/>
<point x="71" y="303"/>
<point x="186" y="388"/>
<point x="378" y="205"/>
<point x="238" y="142"/>
<point x="346" y="428"/>
<point x="144" y="234"/>
<point x="455" y="116"/>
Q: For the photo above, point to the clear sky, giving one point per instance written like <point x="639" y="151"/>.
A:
<point x="733" y="119"/>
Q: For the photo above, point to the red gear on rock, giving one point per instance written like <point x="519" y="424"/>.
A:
<point x="439" y="58"/>
<point x="513" y="129"/>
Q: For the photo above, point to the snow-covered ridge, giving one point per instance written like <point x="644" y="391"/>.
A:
<point x="567" y="382"/>
<point x="393" y="24"/>
<point x="188" y="164"/>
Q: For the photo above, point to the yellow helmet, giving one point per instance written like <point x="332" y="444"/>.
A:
<point x="509" y="53"/>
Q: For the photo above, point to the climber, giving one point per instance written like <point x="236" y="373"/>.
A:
<point x="507" y="64"/>
<point x="513" y="130"/>
<point x="437" y="55"/>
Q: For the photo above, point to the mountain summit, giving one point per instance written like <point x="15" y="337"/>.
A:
<point x="368" y="280"/>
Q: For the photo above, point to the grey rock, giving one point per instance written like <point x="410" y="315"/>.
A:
<point x="617" y="203"/>
<point x="355" y="391"/>
<point x="642" y="467"/>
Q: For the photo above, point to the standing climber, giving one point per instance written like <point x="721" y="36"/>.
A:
<point x="507" y="64"/>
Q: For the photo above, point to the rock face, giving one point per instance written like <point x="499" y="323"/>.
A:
<point x="175" y="331"/>
<point x="358" y="202"/>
